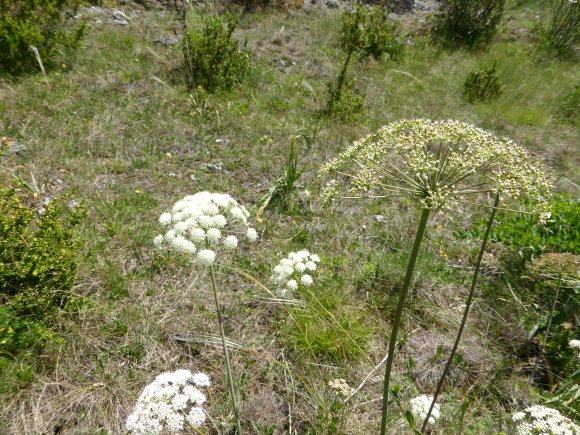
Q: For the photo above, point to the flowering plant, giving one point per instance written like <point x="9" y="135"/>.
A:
<point x="541" y="420"/>
<point x="420" y="407"/>
<point x="286" y="273"/>
<point x="202" y="222"/>
<point x="172" y="402"/>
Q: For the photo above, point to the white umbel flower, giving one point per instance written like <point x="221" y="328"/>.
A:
<point x="252" y="235"/>
<point x="206" y="257"/>
<point x="540" y="419"/>
<point x="420" y="406"/>
<point x="306" y="280"/>
<point x="289" y="273"/>
<point x="166" y="404"/>
<point x="230" y="243"/>
<point x="197" y="235"/>
<point x="574" y="344"/>
<point x="213" y="236"/>
<point x="165" y="219"/>
<point x="158" y="241"/>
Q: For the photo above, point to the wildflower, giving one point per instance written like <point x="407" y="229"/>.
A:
<point x="540" y="419"/>
<point x="574" y="344"/>
<point x="168" y="402"/>
<point x="439" y="163"/>
<point x="290" y="271"/>
<point x="230" y="242"/>
<point x="340" y="387"/>
<point x="206" y="257"/>
<point x="200" y="221"/>
<point x="420" y="406"/>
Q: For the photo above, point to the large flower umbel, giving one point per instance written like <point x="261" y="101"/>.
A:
<point x="438" y="163"/>
<point x="170" y="404"/>
<point x="201" y="224"/>
<point x="540" y="419"/>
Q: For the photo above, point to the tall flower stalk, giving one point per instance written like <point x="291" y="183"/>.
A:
<point x="465" y="312"/>
<point x="439" y="164"/>
<point x="207" y="225"/>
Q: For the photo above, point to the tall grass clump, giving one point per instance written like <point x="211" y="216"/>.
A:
<point x="559" y="25"/>
<point x="29" y="25"/>
<point x="483" y="85"/>
<point x="206" y="227"/>
<point x="212" y="58"/>
<point x="468" y="23"/>
<point x="439" y="164"/>
<point x="38" y="265"/>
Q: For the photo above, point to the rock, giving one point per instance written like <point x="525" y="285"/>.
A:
<point x="401" y="6"/>
<point x="121" y="22"/>
<point x="331" y="4"/>
<point x="380" y="218"/>
<point x="168" y="42"/>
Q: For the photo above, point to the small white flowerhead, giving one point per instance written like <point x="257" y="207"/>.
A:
<point x="197" y="235"/>
<point x="165" y="219"/>
<point x="252" y="235"/>
<point x="219" y="221"/>
<point x="311" y="266"/>
<point x="196" y="416"/>
<point x="181" y="244"/>
<point x="206" y="257"/>
<point x="213" y="235"/>
<point x="315" y="258"/>
<point x="299" y="267"/>
<point x="201" y="379"/>
<point x="205" y="222"/>
<point x="158" y="241"/>
<point x="306" y="280"/>
<point x="574" y="344"/>
<point x="230" y="243"/>
<point x="292" y="285"/>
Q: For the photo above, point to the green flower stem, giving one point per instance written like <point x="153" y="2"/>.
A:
<point x="231" y="385"/>
<point x="465" y="312"/>
<point x="402" y="296"/>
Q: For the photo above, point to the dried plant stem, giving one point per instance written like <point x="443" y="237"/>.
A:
<point x="402" y="296"/>
<point x="231" y="385"/>
<point x="465" y="312"/>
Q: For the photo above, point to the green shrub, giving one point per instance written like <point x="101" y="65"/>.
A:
<point x="369" y="32"/>
<point x="38" y="250"/>
<point x="26" y="23"/>
<point x="212" y="58"/>
<point x="570" y="104"/>
<point x="561" y="31"/>
<point x="482" y="85"/>
<point x="468" y="22"/>
<point x="523" y="233"/>
<point x="345" y="101"/>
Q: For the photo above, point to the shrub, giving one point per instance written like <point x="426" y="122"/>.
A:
<point x="26" y="23"/>
<point x="211" y="55"/>
<point x="369" y="32"/>
<point x="345" y="101"/>
<point x="468" y="22"/>
<point x="562" y="29"/>
<point x="482" y="85"/>
<point x="522" y="233"/>
<point x="38" y="250"/>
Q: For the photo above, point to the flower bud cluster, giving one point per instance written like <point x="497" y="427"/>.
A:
<point x="420" y="407"/>
<point x="294" y="270"/>
<point x="200" y="224"/>
<point x="172" y="402"/>
<point x="340" y="387"/>
<point x="540" y="419"/>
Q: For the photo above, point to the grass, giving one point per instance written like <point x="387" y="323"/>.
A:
<point x="120" y="129"/>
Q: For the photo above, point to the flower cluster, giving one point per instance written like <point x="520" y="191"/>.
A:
<point x="172" y="402"/>
<point x="202" y="222"/>
<point x="542" y="420"/>
<point x="420" y="406"/>
<point x="298" y="264"/>
<point x="438" y="163"/>
<point x="340" y="387"/>
<point x="574" y="344"/>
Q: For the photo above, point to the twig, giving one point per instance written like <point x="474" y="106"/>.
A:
<point x="367" y="377"/>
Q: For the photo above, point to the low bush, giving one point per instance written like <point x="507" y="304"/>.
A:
<point x="570" y="104"/>
<point x="40" y="24"/>
<point x="368" y="31"/>
<point x="468" y="22"/>
<point x="38" y="250"/>
<point x="483" y="85"/>
<point x="522" y="233"/>
<point x="212" y="57"/>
